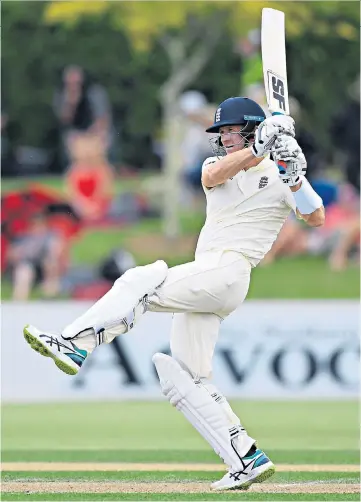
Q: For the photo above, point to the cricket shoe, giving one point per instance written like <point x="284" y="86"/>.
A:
<point x="66" y="355"/>
<point x="256" y="469"/>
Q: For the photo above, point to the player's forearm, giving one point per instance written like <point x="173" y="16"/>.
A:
<point x="220" y="171"/>
<point x="309" y="204"/>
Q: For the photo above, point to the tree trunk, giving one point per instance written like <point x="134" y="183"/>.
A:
<point x="172" y="164"/>
<point x="185" y="70"/>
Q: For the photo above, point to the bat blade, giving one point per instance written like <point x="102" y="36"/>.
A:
<point x="274" y="60"/>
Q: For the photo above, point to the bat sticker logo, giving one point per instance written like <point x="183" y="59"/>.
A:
<point x="279" y="92"/>
<point x="278" y="89"/>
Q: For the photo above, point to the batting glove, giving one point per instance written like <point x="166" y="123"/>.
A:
<point x="290" y="159"/>
<point x="267" y="132"/>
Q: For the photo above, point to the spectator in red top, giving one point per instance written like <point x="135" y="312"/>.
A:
<point x="90" y="178"/>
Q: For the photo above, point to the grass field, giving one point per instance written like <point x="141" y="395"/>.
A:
<point x="147" y="451"/>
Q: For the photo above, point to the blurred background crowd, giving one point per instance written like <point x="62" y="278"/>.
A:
<point x="104" y="106"/>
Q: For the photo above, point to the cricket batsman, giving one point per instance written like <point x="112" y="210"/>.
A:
<point x="249" y="197"/>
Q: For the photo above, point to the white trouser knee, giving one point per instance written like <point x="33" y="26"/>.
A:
<point x="117" y="311"/>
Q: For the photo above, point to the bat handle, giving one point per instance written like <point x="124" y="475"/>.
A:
<point x="281" y="164"/>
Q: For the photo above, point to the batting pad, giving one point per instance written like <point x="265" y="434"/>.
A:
<point x="115" y="310"/>
<point x="222" y="402"/>
<point x="197" y="405"/>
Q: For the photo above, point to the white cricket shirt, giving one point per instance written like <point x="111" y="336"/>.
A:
<point x="246" y="213"/>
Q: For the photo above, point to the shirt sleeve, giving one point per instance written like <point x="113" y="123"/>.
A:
<point x="207" y="162"/>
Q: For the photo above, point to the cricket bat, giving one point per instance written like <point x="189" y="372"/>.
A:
<point x="274" y="61"/>
<point x="274" y="65"/>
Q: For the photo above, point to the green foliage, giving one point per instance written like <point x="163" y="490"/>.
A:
<point x="143" y="21"/>
<point x="40" y="38"/>
<point x="323" y="65"/>
<point x="32" y="71"/>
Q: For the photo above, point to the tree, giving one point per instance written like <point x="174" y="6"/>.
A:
<point x="188" y="33"/>
<point x="143" y="50"/>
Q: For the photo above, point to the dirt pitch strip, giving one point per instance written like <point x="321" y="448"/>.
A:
<point x="119" y="487"/>
<point x="112" y="466"/>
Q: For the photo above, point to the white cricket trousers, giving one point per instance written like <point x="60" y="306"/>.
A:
<point x="201" y="294"/>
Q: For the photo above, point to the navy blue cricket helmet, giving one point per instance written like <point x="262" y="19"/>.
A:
<point x="238" y="110"/>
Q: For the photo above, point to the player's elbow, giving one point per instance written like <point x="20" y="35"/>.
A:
<point x="317" y="222"/>
<point x="316" y="219"/>
<point x="207" y="179"/>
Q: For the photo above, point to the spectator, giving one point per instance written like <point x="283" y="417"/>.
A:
<point x="90" y="178"/>
<point x="315" y="160"/>
<point x="198" y="115"/>
<point x="346" y="127"/>
<point x="116" y="264"/>
<point x="348" y="241"/>
<point x="36" y="256"/>
<point x="9" y="165"/>
<point x="82" y="107"/>
<point x="249" y="48"/>
<point x="335" y="239"/>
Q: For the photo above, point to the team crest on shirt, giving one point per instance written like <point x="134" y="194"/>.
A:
<point x="263" y="182"/>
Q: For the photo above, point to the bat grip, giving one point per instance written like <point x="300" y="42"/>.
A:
<point x="281" y="164"/>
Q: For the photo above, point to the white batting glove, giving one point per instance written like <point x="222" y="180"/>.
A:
<point x="268" y="131"/>
<point x="290" y="159"/>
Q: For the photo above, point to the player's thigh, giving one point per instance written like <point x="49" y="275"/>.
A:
<point x="179" y="292"/>
<point x="193" y="339"/>
<point x="202" y="286"/>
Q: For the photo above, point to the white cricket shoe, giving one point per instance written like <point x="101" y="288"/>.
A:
<point x="256" y="469"/>
<point x="66" y="355"/>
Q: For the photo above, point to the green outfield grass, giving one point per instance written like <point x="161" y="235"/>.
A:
<point x="137" y="425"/>
<point x="288" y="278"/>
<point x="179" y="476"/>
<point x="315" y="456"/>
<point x="292" y="433"/>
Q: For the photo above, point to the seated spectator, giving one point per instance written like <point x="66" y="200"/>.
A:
<point x="197" y="116"/>
<point x="348" y="241"/>
<point x="335" y="238"/>
<point x="90" y="178"/>
<point x="36" y="257"/>
<point x="82" y="107"/>
<point x="116" y="264"/>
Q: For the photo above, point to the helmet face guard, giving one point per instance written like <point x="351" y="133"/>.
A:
<point x="246" y="132"/>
